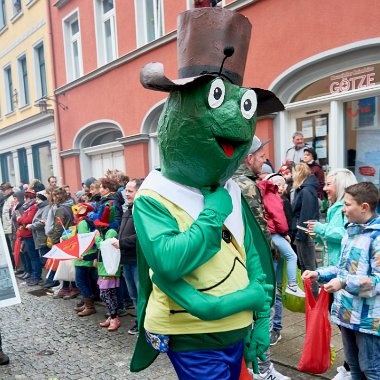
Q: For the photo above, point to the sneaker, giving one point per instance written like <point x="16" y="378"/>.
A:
<point x="271" y="374"/>
<point x="342" y="374"/>
<point x="50" y="284"/>
<point x="295" y="290"/>
<point x="61" y="293"/>
<point x="74" y="293"/>
<point x="114" y="324"/>
<point x="32" y="282"/>
<point x="25" y="276"/>
<point x="275" y="337"/>
<point x="19" y="272"/>
<point x="133" y="330"/>
<point x="19" y="275"/>
<point x="106" y="323"/>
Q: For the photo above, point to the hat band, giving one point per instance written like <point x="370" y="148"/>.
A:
<point x="196" y="70"/>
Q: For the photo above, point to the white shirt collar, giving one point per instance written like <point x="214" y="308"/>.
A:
<point x="191" y="200"/>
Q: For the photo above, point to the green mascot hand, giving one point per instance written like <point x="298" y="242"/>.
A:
<point x="218" y="201"/>
<point x="257" y="341"/>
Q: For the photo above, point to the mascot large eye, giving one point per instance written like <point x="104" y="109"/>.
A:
<point x="216" y="94"/>
<point x="248" y="104"/>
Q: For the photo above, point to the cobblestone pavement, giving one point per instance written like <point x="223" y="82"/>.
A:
<point x="46" y="340"/>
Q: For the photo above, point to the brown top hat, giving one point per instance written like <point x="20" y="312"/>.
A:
<point x="211" y="42"/>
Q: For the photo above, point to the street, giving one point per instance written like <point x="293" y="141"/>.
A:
<point x="46" y="340"/>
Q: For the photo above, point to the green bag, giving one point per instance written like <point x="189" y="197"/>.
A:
<point x="292" y="303"/>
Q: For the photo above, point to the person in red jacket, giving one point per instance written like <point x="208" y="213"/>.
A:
<point x="30" y="209"/>
<point x="278" y="227"/>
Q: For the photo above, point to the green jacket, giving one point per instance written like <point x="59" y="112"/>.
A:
<point x="83" y="228"/>
<point x="333" y="231"/>
<point x="111" y="233"/>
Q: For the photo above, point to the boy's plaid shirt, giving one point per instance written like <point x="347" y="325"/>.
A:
<point x="357" y="307"/>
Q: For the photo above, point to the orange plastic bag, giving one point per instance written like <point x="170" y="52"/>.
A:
<point x="51" y="264"/>
<point x="316" y="349"/>
<point x="244" y="374"/>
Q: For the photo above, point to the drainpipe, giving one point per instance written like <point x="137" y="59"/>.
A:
<point x="56" y="106"/>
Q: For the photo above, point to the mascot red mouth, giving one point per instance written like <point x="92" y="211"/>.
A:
<point x="227" y="145"/>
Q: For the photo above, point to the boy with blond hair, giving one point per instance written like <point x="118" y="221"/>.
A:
<point x="355" y="282"/>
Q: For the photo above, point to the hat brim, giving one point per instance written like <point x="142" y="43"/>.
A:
<point x="152" y="77"/>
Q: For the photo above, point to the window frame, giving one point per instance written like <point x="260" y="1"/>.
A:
<point x="8" y="89"/>
<point x="3" y="14"/>
<point x="40" y="80"/>
<point x="101" y="42"/>
<point x="142" y="37"/>
<point x="24" y="88"/>
<point x="16" y="12"/>
<point x="69" y="40"/>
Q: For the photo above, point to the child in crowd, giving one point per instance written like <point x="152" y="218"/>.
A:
<point x="278" y="227"/>
<point x="355" y="282"/>
<point x="108" y="284"/>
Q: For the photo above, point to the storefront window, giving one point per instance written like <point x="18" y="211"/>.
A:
<point x="362" y="128"/>
<point x="348" y="80"/>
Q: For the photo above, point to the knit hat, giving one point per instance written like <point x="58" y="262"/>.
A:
<point x="89" y="181"/>
<point x="30" y="193"/>
<point x="312" y="152"/>
<point x="266" y="169"/>
<point x="41" y="196"/>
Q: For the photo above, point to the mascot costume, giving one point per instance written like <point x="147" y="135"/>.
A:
<point x="205" y="269"/>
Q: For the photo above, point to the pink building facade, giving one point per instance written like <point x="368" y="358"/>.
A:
<point x="321" y="58"/>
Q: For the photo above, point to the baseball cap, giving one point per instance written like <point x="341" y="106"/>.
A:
<point x="257" y="144"/>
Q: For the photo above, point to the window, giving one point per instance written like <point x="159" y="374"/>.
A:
<point x="42" y="161"/>
<point x="23" y="82"/>
<point x="23" y="165"/>
<point x="3" y="14"/>
<point x="106" y="30"/>
<point x="73" y="47"/>
<point x="362" y="132"/>
<point x="16" y="7"/>
<point x="40" y="71"/>
<point x="7" y="168"/>
<point x="8" y="84"/>
<point x="149" y="20"/>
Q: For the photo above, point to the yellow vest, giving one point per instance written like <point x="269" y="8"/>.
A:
<point x="223" y="274"/>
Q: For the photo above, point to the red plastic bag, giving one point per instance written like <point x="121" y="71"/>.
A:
<point x="316" y="349"/>
<point x="244" y="374"/>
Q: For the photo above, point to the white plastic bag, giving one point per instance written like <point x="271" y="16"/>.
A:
<point x="110" y="256"/>
<point x="65" y="271"/>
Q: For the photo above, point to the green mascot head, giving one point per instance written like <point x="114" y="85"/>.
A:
<point x="208" y="121"/>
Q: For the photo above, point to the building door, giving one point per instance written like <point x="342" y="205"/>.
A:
<point x="100" y="163"/>
<point x="314" y="125"/>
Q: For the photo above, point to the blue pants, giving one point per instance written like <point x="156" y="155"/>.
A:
<point x="208" y="364"/>
<point x="362" y="353"/>
<point x="286" y="252"/>
<point x="83" y="280"/>
<point x="131" y="278"/>
<point x="277" y="318"/>
<point x="26" y="262"/>
<point x="34" y="257"/>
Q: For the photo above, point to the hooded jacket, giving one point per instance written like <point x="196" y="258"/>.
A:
<point x="6" y="217"/>
<point x="38" y="224"/>
<point x="333" y="231"/>
<point x="30" y="209"/>
<point x="305" y="205"/>
<point x="356" y="307"/>
<point x="274" y="208"/>
<point x="65" y="213"/>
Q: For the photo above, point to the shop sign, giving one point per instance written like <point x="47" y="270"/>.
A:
<point x="352" y="80"/>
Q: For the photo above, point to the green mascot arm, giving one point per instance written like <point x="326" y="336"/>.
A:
<point x="169" y="252"/>
<point x="208" y="307"/>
